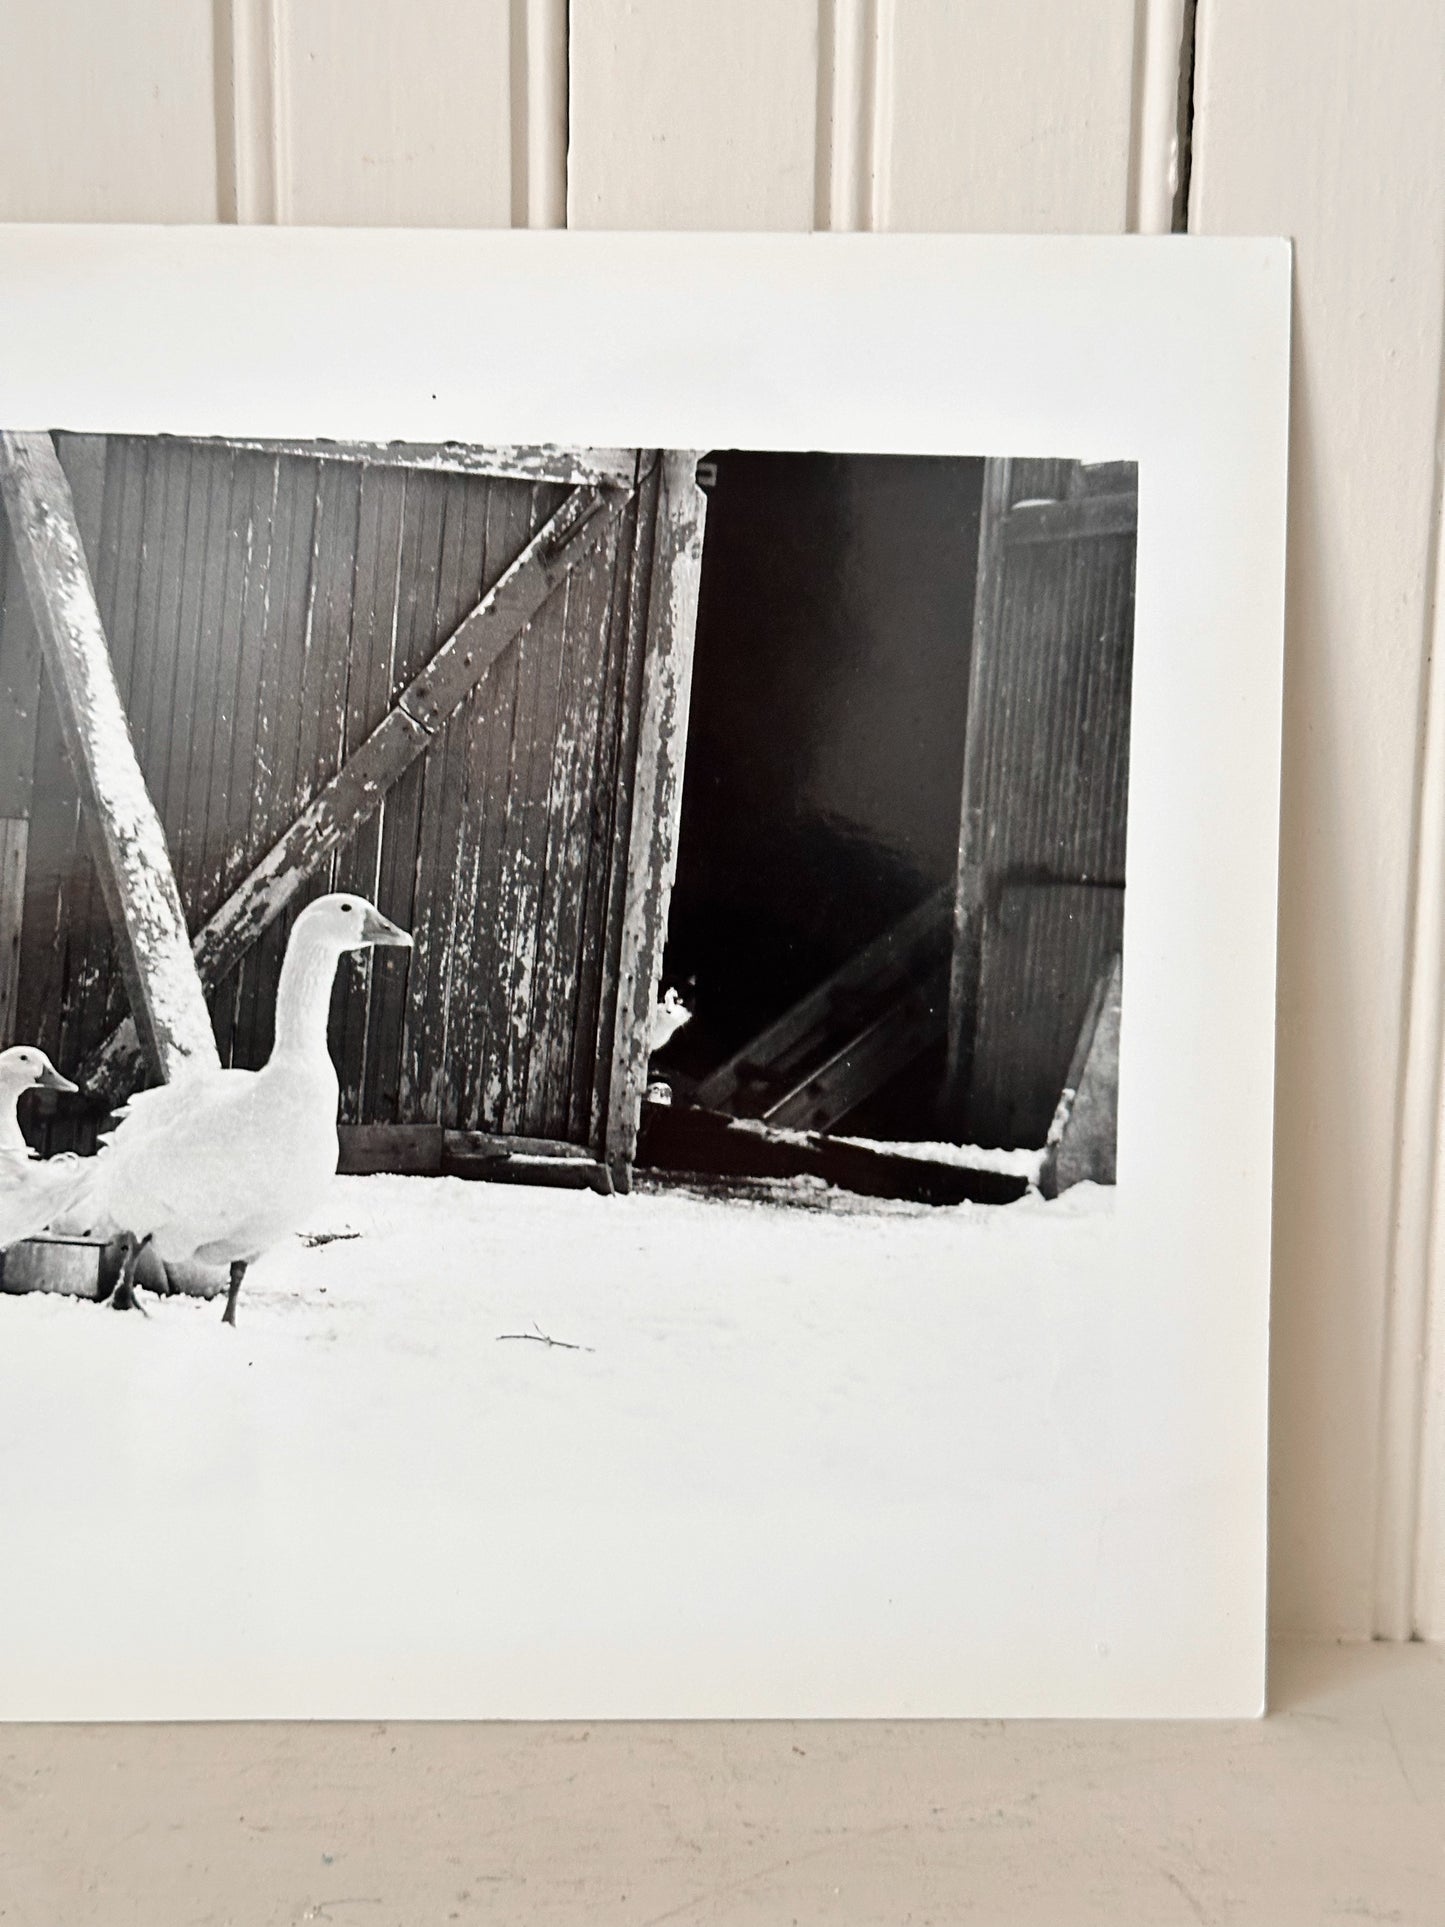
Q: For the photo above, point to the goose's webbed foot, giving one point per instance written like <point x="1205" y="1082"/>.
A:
<point x="238" y="1272"/>
<point x="123" y="1298"/>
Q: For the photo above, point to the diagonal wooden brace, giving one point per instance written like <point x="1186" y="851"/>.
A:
<point x="418" y="715"/>
<point x="129" y="842"/>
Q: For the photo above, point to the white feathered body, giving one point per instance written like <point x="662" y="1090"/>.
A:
<point x="221" y="1164"/>
<point x="35" y="1191"/>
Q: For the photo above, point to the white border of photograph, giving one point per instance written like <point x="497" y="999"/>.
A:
<point x="1122" y="1572"/>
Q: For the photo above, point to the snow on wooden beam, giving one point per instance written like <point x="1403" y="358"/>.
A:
<point x="419" y="713"/>
<point x="127" y="838"/>
<point x="539" y="462"/>
<point x="657" y="795"/>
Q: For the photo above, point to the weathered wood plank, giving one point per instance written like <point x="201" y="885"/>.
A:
<point x="475" y="1059"/>
<point x="1087" y="1149"/>
<point x="913" y="1020"/>
<point x="1044" y="945"/>
<point x="579" y="1068"/>
<point x="1049" y="692"/>
<point x="416" y="644"/>
<point x="657" y="795"/>
<point x="617" y="775"/>
<point x="141" y="895"/>
<point x="19" y="686"/>
<point x="522" y="878"/>
<point x="352" y="796"/>
<point x="564" y="963"/>
<point x="437" y="894"/>
<point x="412" y="1148"/>
<point x="14" y="836"/>
<point x="708" y="1144"/>
<point x="216" y="861"/>
<point x="277" y="733"/>
<point x="891" y="961"/>
<point x="542" y="462"/>
<point x="95" y="968"/>
<point x="255" y="529"/>
<point x="88" y="941"/>
<point x="368" y="695"/>
<point x="969" y="881"/>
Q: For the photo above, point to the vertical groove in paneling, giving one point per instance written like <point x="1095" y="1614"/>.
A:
<point x="1156" y="150"/>
<point x="250" y="121"/>
<point x="538" y="62"/>
<point x="847" y="109"/>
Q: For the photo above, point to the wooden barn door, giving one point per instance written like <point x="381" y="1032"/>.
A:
<point x="1038" y="913"/>
<point x="446" y="679"/>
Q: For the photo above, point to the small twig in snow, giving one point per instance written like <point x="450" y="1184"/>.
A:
<point x="314" y="1238"/>
<point x="539" y="1337"/>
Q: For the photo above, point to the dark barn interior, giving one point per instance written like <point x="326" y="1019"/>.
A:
<point x="825" y="740"/>
<point x="898" y="902"/>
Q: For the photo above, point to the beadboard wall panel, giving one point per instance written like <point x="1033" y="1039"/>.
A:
<point x="107" y="113"/>
<point x="691" y="114"/>
<point x="1317" y="118"/>
<point x="1008" y="119"/>
<point x="1325" y="123"/>
<point x="395" y="113"/>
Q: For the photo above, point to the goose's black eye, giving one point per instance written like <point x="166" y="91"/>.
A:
<point x="347" y="908"/>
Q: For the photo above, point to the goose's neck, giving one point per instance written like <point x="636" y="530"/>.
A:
<point x="303" y="999"/>
<point x="12" y="1138"/>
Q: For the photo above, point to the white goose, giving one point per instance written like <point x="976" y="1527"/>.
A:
<point x="32" y="1190"/>
<point x="222" y="1164"/>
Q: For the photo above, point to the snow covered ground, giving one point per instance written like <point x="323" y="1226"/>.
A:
<point x="768" y="1439"/>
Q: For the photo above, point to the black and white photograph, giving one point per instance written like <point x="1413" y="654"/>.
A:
<point x="596" y="1047"/>
<point x="881" y="955"/>
<point x="711" y="835"/>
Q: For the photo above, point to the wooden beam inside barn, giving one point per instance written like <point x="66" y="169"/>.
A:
<point x="417" y="716"/>
<point x="131" y="857"/>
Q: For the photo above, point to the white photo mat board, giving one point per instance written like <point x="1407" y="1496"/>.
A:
<point x="1055" y="1500"/>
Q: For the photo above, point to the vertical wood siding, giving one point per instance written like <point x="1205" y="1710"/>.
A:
<point x="264" y="612"/>
<point x="1041" y="861"/>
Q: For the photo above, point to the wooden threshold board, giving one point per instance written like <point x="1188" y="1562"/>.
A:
<point x="428" y="1150"/>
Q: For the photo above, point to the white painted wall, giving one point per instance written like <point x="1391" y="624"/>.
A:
<point x="1323" y="119"/>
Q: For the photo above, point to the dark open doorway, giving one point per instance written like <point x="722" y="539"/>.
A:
<point x="855" y="962"/>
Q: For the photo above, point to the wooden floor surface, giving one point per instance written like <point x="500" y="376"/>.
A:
<point x="1332" y="1809"/>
